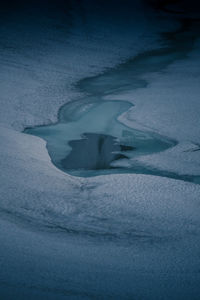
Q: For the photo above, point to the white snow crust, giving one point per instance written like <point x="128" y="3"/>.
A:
<point x="59" y="234"/>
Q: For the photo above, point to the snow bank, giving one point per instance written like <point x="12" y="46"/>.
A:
<point x="170" y="106"/>
<point x="151" y="222"/>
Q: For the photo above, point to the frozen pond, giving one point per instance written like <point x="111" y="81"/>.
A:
<point x="89" y="140"/>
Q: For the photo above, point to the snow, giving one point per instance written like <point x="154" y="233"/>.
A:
<point x="53" y="268"/>
<point x="66" y="237"/>
<point x="170" y="106"/>
<point x="110" y="236"/>
<point x="42" y="56"/>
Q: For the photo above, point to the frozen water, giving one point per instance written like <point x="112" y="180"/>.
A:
<point x="121" y="236"/>
<point x="80" y="120"/>
<point x="89" y="136"/>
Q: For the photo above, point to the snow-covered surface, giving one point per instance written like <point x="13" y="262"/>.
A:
<point x="72" y="238"/>
<point x="42" y="54"/>
<point x="48" y="197"/>
<point x="170" y="105"/>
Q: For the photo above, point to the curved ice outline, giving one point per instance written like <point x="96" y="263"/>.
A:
<point x="176" y="49"/>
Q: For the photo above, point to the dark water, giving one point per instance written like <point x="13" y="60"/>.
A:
<point x="98" y="151"/>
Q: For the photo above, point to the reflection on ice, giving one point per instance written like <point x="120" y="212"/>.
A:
<point x="89" y="140"/>
<point x="94" y="152"/>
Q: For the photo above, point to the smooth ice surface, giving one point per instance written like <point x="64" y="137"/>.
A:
<point x="88" y="139"/>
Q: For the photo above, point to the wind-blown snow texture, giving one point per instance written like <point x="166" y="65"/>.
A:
<point x="108" y="237"/>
